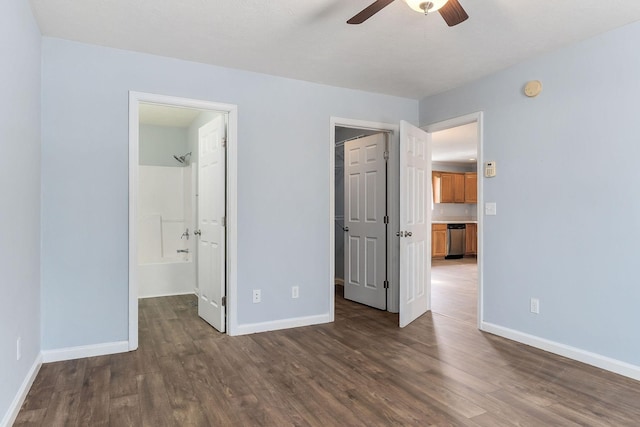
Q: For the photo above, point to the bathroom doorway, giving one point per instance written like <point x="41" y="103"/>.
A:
<point x="167" y="189"/>
<point x="182" y="210"/>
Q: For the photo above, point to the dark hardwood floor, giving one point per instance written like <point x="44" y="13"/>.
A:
<point x="361" y="370"/>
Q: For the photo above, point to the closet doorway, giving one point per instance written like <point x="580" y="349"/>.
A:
<point x="361" y="157"/>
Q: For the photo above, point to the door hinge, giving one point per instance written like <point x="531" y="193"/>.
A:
<point x="386" y="155"/>
<point x="386" y="219"/>
<point x="224" y="301"/>
<point x="386" y="284"/>
<point x="224" y="142"/>
<point x="224" y="221"/>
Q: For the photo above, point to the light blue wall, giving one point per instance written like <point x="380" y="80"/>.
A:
<point x="283" y="183"/>
<point x="568" y="222"/>
<point x="158" y="145"/>
<point x="20" y="195"/>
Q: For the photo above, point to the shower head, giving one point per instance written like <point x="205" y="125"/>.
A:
<point x="182" y="159"/>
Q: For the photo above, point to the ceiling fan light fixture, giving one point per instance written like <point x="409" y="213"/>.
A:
<point x="425" y="7"/>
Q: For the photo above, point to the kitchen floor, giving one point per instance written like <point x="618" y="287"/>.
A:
<point x="454" y="288"/>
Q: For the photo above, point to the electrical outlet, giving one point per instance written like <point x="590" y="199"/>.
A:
<point x="19" y="348"/>
<point x="535" y="305"/>
<point x="257" y="296"/>
<point x="295" y="292"/>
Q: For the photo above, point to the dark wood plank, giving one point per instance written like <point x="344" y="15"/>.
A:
<point x="94" y="397"/>
<point x="63" y="409"/>
<point x="30" y="417"/>
<point x="155" y="408"/>
<point x="361" y="370"/>
<point x="43" y="387"/>
<point x="124" y="411"/>
<point x="71" y="375"/>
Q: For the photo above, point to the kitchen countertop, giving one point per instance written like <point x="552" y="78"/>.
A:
<point x="454" y="221"/>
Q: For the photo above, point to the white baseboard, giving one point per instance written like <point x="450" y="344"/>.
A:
<point x="84" y="351"/>
<point x="14" y="408"/>
<point x="593" y="359"/>
<point x="275" y="325"/>
<point x="166" y="295"/>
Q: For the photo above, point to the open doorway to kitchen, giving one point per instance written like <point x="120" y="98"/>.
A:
<point x="456" y="218"/>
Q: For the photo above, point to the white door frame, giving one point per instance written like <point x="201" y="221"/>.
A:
<point x="135" y="98"/>
<point x="393" y="202"/>
<point x="448" y="124"/>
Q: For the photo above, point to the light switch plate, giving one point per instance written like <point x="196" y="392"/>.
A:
<point x="490" y="208"/>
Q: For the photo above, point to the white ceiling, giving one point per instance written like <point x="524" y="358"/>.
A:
<point x="398" y="51"/>
<point x="455" y="145"/>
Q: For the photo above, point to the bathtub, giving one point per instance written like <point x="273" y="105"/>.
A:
<point x="172" y="276"/>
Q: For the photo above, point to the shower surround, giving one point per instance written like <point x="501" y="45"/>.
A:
<point x="166" y="212"/>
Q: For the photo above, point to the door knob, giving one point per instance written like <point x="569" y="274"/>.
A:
<point x="400" y="233"/>
<point x="197" y="232"/>
<point x="408" y="234"/>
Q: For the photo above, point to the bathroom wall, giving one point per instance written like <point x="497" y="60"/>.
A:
<point x="158" y="144"/>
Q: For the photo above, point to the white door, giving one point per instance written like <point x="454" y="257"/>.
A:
<point x="211" y="226"/>
<point x="365" y="201"/>
<point x="415" y="222"/>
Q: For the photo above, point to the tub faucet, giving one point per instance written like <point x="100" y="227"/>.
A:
<point x="183" y="251"/>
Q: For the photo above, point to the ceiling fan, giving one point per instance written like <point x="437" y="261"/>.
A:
<point x="450" y="10"/>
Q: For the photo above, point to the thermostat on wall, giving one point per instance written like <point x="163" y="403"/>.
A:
<point x="490" y="169"/>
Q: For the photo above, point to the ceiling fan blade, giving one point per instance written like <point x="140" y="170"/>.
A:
<point x="369" y="11"/>
<point x="453" y="13"/>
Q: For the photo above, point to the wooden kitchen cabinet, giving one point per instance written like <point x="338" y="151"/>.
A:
<point x="458" y="188"/>
<point x="471" y="187"/>
<point x="448" y="187"/>
<point x="471" y="240"/>
<point x="436" y="187"/>
<point x="438" y="240"/>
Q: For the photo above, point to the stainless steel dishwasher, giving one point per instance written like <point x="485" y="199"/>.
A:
<point x="455" y="240"/>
